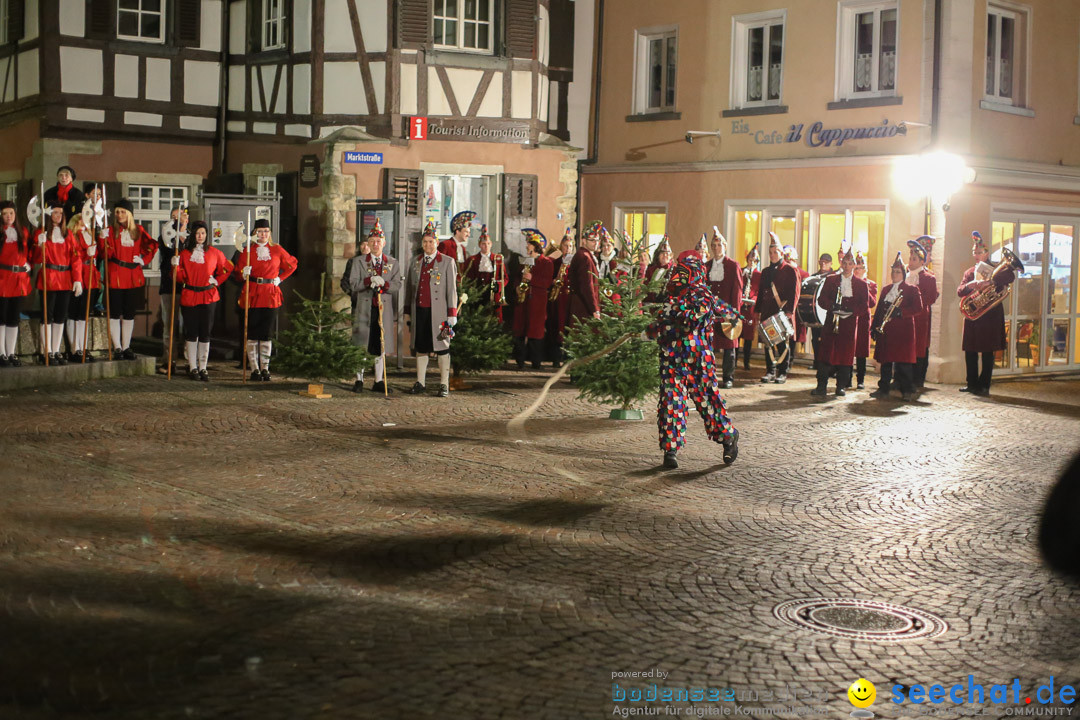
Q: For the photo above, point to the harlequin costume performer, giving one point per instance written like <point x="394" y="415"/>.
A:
<point x="895" y="339"/>
<point x="14" y="281"/>
<point x="200" y="270"/>
<point x="65" y="194"/>
<point x="778" y="292"/>
<point x="724" y="280"/>
<point x="751" y="278"/>
<point x="791" y="256"/>
<point x="488" y="271"/>
<point x="530" y="320"/>
<point x="431" y="300"/>
<point x="841" y="323"/>
<point x="128" y="248"/>
<point x="460" y="229"/>
<point x="862" y="330"/>
<point x="683" y="331"/>
<point x="920" y="249"/>
<point x="558" y="311"/>
<point x="374" y="276"/>
<point x="266" y="264"/>
<point x="91" y="279"/>
<point x="60" y="275"/>
<point x="985" y="336"/>
<point x="584" y="288"/>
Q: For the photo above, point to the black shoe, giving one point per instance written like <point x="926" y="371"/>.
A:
<point x="129" y="354"/>
<point x="14" y="361"/>
<point x="90" y="358"/>
<point x="731" y="448"/>
<point x="746" y="365"/>
<point x="358" y="386"/>
<point x="669" y="460"/>
<point x="3" y="360"/>
<point x="256" y="376"/>
<point x="982" y="392"/>
<point x="880" y="394"/>
<point x="204" y="376"/>
<point x="841" y="392"/>
<point x="521" y="366"/>
<point x="860" y="386"/>
<point x="443" y="391"/>
<point x="264" y="375"/>
<point x="557" y="364"/>
<point x="537" y="366"/>
<point x="813" y="366"/>
<point x="417" y="389"/>
<point x="905" y="396"/>
<point x="380" y="387"/>
<point x="819" y="392"/>
<point x="193" y="373"/>
<point x="780" y="379"/>
<point x="969" y="389"/>
<point x="769" y="377"/>
<point x="728" y="384"/>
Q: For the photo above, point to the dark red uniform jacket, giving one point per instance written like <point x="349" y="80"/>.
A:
<point x="800" y="329"/>
<point x="987" y="334"/>
<point x="730" y="291"/>
<point x="839" y="348"/>
<point x="530" y="319"/>
<point x="786" y="280"/>
<point x="862" y="330"/>
<point x="929" y="293"/>
<point x="898" y="342"/>
<point x="584" y="289"/>
<point x="487" y="280"/>
<point x="559" y="308"/>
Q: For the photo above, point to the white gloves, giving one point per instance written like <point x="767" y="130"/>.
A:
<point x="41" y="239"/>
<point x="175" y="260"/>
<point x="77" y="288"/>
<point x="138" y="259"/>
<point x="246" y="272"/>
<point x="213" y="280"/>
<point x="377" y="282"/>
<point x="277" y="281"/>
<point x="451" y="321"/>
<point x="26" y="266"/>
<point x="91" y="250"/>
<point x="103" y="234"/>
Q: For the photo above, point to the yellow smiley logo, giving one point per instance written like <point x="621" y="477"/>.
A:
<point x="862" y="693"/>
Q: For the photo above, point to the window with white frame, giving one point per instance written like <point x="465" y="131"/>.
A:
<point x="11" y="192"/>
<point x="273" y="24"/>
<point x="757" y="59"/>
<point x="153" y="206"/>
<point x="656" y="64"/>
<point x="141" y="20"/>
<point x="267" y="185"/>
<point x="464" y="25"/>
<point x="4" y="15"/>
<point x="1006" y="53"/>
<point x="868" y="48"/>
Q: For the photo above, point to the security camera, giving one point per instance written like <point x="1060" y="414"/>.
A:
<point x="689" y="138"/>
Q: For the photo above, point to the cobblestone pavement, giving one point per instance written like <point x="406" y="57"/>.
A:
<point x="183" y="550"/>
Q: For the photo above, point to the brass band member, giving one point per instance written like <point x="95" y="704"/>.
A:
<point x="488" y="270"/>
<point x="862" y="332"/>
<point x="986" y="335"/>
<point x="779" y="291"/>
<point x="751" y="278"/>
<point x="558" y="311"/>
<point x="530" y="320"/>
<point x="893" y="329"/>
<point x="584" y="289"/>
<point x="825" y="267"/>
<point x="460" y="229"/>
<point x="724" y="280"/>
<point x="843" y="296"/>
<point x="920" y="249"/>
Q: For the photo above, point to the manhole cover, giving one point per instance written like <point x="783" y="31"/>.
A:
<point x="860" y="619"/>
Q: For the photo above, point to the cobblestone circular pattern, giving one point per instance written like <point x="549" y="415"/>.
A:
<point x="866" y="620"/>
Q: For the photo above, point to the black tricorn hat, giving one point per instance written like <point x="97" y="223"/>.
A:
<point x="261" y="223"/>
<point x="125" y="204"/>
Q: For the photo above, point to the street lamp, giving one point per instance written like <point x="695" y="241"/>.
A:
<point x="935" y="176"/>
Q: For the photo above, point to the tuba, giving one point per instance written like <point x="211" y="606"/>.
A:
<point x="978" y="303"/>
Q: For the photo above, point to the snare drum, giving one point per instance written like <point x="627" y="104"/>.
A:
<point x="776" y="329"/>
<point x="808" y="311"/>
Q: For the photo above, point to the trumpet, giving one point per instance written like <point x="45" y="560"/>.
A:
<point x="497" y="279"/>
<point x="977" y="304"/>
<point x="891" y="312"/>
<point x="557" y="287"/>
<point x="836" y="311"/>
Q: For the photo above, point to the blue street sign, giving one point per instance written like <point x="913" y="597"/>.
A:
<point x="365" y="158"/>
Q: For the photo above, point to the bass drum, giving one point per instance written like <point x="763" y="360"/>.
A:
<point x="808" y="311"/>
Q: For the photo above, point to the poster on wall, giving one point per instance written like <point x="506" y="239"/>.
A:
<point x="223" y="231"/>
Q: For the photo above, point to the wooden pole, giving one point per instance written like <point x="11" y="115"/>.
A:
<point x="382" y="346"/>
<point x="108" y="308"/>
<point x="247" y="296"/>
<point x="172" y="315"/>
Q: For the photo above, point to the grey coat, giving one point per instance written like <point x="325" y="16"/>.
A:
<point x="443" y="284"/>
<point x="359" y="270"/>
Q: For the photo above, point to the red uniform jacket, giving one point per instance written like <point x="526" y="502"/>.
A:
<point x="730" y="291"/>
<point x="987" y="334"/>
<point x="14" y="283"/>
<point x="530" y="319"/>
<point x="448" y="247"/>
<point x="121" y="256"/>
<point x="559" y="308"/>
<point x="839" y="348"/>
<point x="275" y="263"/>
<point x="786" y="280"/>
<point x="84" y="240"/>
<point x="897" y="344"/>
<point x="749" y="328"/>
<point x="197" y="275"/>
<point x="862" y="330"/>
<point x="487" y="280"/>
<point x="584" y="289"/>
<point x="929" y="293"/>
<point x="800" y="329"/>
<point x="61" y="254"/>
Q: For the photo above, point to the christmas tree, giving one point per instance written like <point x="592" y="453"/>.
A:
<point x="480" y="343"/>
<point x="631" y="371"/>
<point x="318" y="346"/>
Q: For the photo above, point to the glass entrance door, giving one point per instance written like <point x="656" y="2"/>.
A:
<point x="1042" y="314"/>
